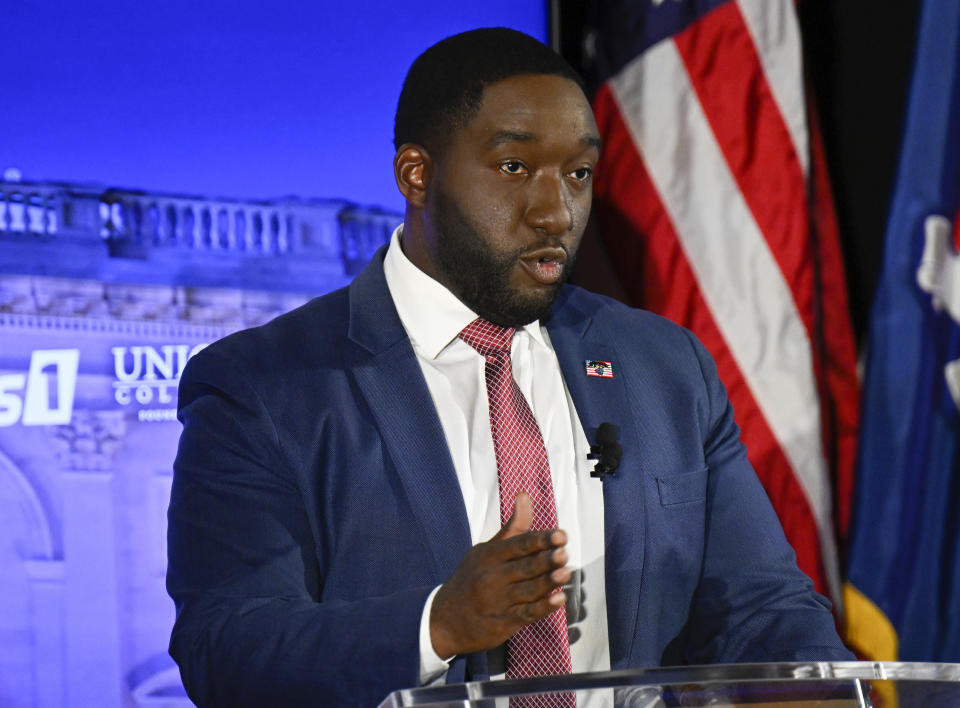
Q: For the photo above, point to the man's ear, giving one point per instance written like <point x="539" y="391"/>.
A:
<point x="412" y="168"/>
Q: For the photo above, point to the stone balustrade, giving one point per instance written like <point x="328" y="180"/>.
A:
<point x="262" y="228"/>
<point x="34" y="208"/>
<point x="220" y="241"/>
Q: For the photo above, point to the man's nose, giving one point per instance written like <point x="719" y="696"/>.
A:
<point x="549" y="208"/>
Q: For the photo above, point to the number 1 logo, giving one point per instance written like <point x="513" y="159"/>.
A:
<point x="41" y="403"/>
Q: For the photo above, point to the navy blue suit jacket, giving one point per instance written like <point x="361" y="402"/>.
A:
<point x="315" y="505"/>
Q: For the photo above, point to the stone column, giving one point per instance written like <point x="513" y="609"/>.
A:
<point x="46" y="595"/>
<point x="94" y="674"/>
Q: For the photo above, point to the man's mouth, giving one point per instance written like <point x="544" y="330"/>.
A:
<point x="545" y="265"/>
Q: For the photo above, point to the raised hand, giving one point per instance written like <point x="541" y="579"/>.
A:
<point x="500" y="586"/>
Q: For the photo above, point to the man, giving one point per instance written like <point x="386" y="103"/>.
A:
<point x="368" y="490"/>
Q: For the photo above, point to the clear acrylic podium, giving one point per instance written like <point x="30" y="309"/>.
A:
<point x="839" y="684"/>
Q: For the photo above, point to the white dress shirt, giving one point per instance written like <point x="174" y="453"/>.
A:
<point x="454" y="373"/>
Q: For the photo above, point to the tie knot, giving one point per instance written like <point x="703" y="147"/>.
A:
<point x="486" y="337"/>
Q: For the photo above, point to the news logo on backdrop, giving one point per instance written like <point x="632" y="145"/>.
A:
<point x="144" y="376"/>
<point x="44" y="395"/>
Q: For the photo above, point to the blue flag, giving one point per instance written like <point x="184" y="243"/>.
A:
<point x="903" y="595"/>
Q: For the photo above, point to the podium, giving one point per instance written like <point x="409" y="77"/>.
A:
<point x="839" y="684"/>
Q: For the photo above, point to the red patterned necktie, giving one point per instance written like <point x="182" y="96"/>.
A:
<point x="541" y="648"/>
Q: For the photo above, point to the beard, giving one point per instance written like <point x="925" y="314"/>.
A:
<point x="480" y="277"/>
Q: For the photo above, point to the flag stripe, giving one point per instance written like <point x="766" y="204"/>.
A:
<point x="665" y="282"/>
<point x="776" y="35"/>
<point x="741" y="283"/>
<point x="770" y="174"/>
<point x="751" y="133"/>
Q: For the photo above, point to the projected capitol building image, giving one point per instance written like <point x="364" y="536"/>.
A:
<point x="104" y="296"/>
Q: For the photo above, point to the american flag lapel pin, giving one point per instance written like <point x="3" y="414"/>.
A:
<point x="602" y="369"/>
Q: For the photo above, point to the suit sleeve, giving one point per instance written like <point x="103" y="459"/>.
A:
<point x="251" y="627"/>
<point x="752" y="604"/>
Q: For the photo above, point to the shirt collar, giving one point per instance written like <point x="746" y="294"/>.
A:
<point x="431" y="314"/>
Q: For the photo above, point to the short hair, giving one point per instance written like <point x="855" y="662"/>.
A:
<point x="443" y="90"/>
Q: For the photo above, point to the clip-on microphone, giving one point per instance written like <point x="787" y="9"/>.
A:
<point x="607" y="451"/>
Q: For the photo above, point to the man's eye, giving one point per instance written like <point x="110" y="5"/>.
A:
<point x="512" y="167"/>
<point x="582" y="174"/>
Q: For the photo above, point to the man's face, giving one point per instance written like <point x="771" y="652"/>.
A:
<point x="509" y="199"/>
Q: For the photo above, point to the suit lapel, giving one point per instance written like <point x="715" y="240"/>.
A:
<point x="392" y="383"/>
<point x="578" y="337"/>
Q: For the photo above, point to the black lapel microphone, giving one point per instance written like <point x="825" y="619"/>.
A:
<point x="607" y="451"/>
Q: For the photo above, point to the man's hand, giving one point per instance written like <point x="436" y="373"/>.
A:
<point x="500" y="586"/>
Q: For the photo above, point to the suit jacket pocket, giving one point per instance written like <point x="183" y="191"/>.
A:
<point x="683" y="488"/>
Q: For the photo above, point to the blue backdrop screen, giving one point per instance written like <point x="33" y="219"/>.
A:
<point x="223" y="98"/>
<point x="173" y="171"/>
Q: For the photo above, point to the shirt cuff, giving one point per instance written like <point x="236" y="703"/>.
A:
<point x="433" y="669"/>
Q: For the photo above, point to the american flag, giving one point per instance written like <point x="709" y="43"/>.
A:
<point x="603" y="369"/>
<point x="713" y="202"/>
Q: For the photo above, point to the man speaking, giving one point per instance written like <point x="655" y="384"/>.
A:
<point x="390" y="486"/>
